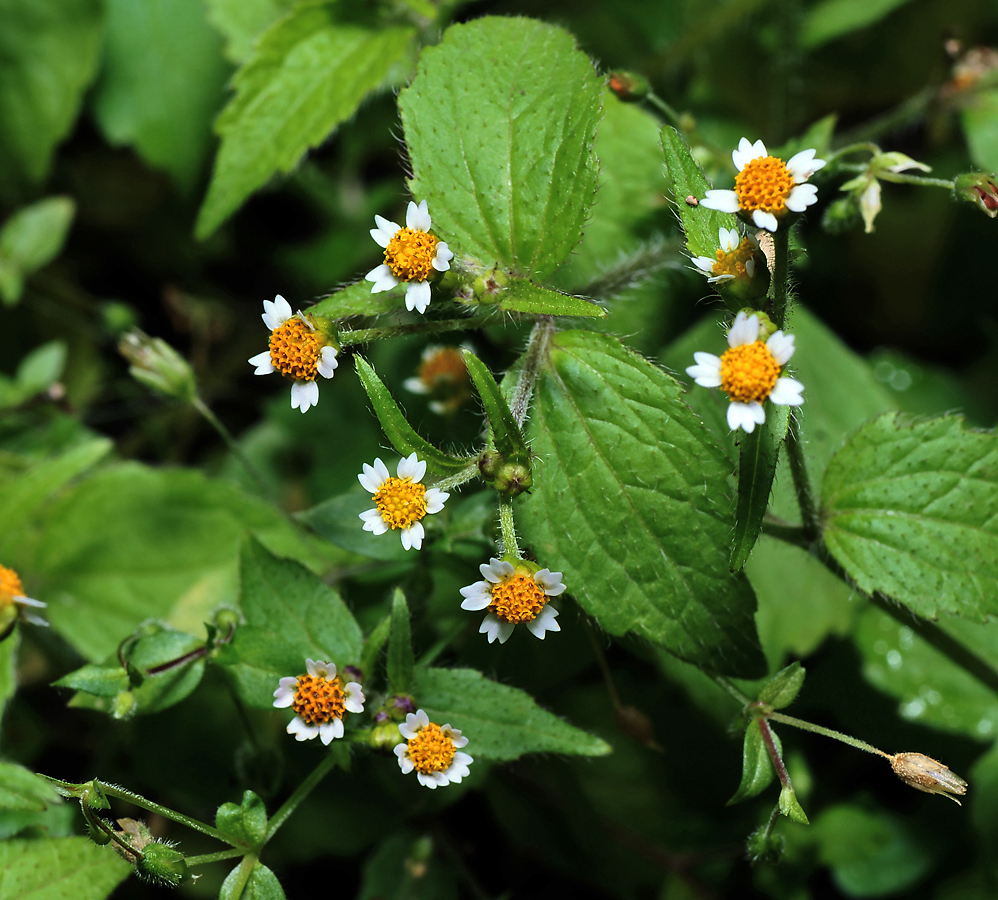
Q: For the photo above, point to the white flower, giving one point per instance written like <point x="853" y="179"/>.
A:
<point x="734" y="257"/>
<point x="434" y="751"/>
<point x="749" y="372"/>
<point x="766" y="187"/>
<point x="412" y="255"/>
<point x="514" y="594"/>
<point x="14" y="600"/>
<point x="319" y="700"/>
<point x="296" y="350"/>
<point x="400" y="502"/>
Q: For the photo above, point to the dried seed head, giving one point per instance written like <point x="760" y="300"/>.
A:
<point x="924" y="773"/>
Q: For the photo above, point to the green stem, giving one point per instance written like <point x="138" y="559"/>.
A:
<point x="781" y="274"/>
<point x="231" y="443"/>
<point x="459" y="478"/>
<point x="802" y="483"/>
<point x="367" y="335"/>
<point x="601" y="659"/>
<point x="507" y="528"/>
<point x="859" y="146"/>
<point x="299" y="794"/>
<point x="901" y="178"/>
<point x="664" y="108"/>
<point x="534" y="355"/>
<point x="206" y="858"/>
<point x="167" y="813"/>
<point x="771" y="824"/>
<point x="731" y="689"/>
<point x="826" y="732"/>
<point x="243" y="870"/>
<point x="789" y="534"/>
<point x="774" y="753"/>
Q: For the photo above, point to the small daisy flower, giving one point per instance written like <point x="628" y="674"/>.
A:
<point x="735" y="257"/>
<point x="766" y="188"/>
<point x="443" y="374"/>
<point x="296" y="350"/>
<point x="412" y="255"/>
<point x="319" y="700"/>
<point x="749" y="372"/>
<point x="14" y="603"/>
<point x="514" y="594"/>
<point x="400" y="502"/>
<point x="434" y="751"/>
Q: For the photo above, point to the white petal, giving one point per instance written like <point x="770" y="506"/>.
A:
<point x="406" y="764"/>
<point x="29" y="601"/>
<point x="786" y="392"/>
<point x="545" y="621"/>
<point x="750" y="267"/>
<point x="327" y="362"/>
<point x="385" y="231"/>
<point x="382" y="278"/>
<point x="32" y="619"/>
<point x="417" y="296"/>
<point x="745" y="416"/>
<point x="781" y="346"/>
<point x="505" y="630"/>
<point x="418" y="217"/>
<point x="284" y="696"/>
<point x="707" y="371"/>
<point x="263" y="363"/>
<point x="728" y="240"/>
<point x="803" y="165"/>
<point x="443" y="256"/>
<point x="353" y="697"/>
<point x="276" y="312"/>
<point x="476" y="596"/>
<point x="415" y="386"/>
<point x="463" y="758"/>
<point x="304" y="395"/>
<point x="427" y="780"/>
<point x="495" y="570"/>
<point x="705" y="264"/>
<point x="745" y="330"/>
<point x="409" y="728"/>
<point x="373" y="521"/>
<point x="411" y="467"/>
<point x="550" y="581"/>
<point x="374" y="476"/>
<point x="801" y="197"/>
<point x="412" y="537"/>
<point x="310" y="667"/>
<point x="725" y="201"/>
<point x="419" y="717"/>
<point x="490" y="626"/>
<point x="765" y="220"/>
<point x="435" y="500"/>
<point x="301" y="731"/>
<point x="329" y="731"/>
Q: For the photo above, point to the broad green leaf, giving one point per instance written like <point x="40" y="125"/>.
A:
<point x="305" y="75"/>
<point x="246" y="821"/>
<point x="398" y="430"/>
<point x="906" y="507"/>
<point x="502" y="151"/>
<point x="782" y="689"/>
<point x="357" y="300"/>
<point x="684" y="178"/>
<point x="758" y="454"/>
<point x="830" y="19"/>
<point x="979" y="116"/>
<point x="338" y="521"/>
<point x="48" y="56"/>
<point x="70" y="868"/>
<point x="790" y="807"/>
<point x="631" y="501"/>
<point x="524" y="296"/>
<point x="500" y="722"/>
<point x="757" y="767"/>
<point x="31" y="239"/>
<point x="21" y="789"/>
<point x="162" y="83"/>
<point x="505" y="433"/>
<point x="401" y="660"/>
<point x="240" y="22"/>
<point x="251" y="880"/>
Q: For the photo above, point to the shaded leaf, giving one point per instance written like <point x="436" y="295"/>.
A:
<point x="980" y="125"/>
<point x="240" y="22"/>
<point x="401" y="660"/>
<point x="22" y="789"/>
<point x="757" y="767"/>
<point x="782" y="689"/>
<point x="30" y="239"/>
<point x="259" y="884"/>
<point x="357" y="300"/>
<point x="246" y="821"/>
<point x="830" y="19"/>
<point x="338" y="521"/>
<point x="69" y="868"/>
<point x="505" y="433"/>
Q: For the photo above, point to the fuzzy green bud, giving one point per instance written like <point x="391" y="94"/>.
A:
<point x="489" y="286"/>
<point x="162" y="864"/>
<point x="511" y="478"/>
<point x="158" y="366"/>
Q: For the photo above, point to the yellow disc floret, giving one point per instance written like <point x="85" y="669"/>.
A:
<point x="295" y="350"/>
<point x="431" y="750"/>
<point x="749" y="372"/>
<point x="517" y="599"/>
<point x="401" y="502"/>
<point x="410" y="253"/>
<point x="10" y="586"/>
<point x="764" y="183"/>
<point x="318" y="700"/>
<point x="733" y="263"/>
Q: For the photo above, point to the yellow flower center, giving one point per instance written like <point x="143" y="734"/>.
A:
<point x="401" y="501"/>
<point x="431" y="750"/>
<point x="445" y="367"/>
<point x="295" y="350"/>
<point x="10" y="586"/>
<point x="749" y="372"/>
<point x="318" y="700"/>
<point x="517" y="599"/>
<point x="733" y="263"/>
<point x="410" y="253"/>
<point x="764" y="183"/>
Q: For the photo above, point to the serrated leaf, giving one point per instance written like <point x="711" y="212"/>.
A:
<point x="240" y="22"/>
<point x="306" y="74"/>
<point x="398" y="430"/>
<point x="21" y="789"/>
<point x="782" y="689"/>
<point x="500" y="722"/>
<point x="790" y="807"/>
<point x="757" y="767"/>
<point x="524" y="296"/>
<point x="758" y="454"/>
<point x="505" y="433"/>
<point x="245" y="821"/>
<point x="631" y="501"/>
<point x="906" y="507"/>
<point x="48" y="55"/>
<point x="401" y="660"/>
<point x="69" y="868"/>
<point x="979" y="117"/>
<point x="685" y="178"/>
<point x="503" y="151"/>
<point x="338" y="521"/>
<point x="830" y="19"/>
<point x="30" y="239"/>
<point x="259" y="884"/>
<point x="357" y="300"/>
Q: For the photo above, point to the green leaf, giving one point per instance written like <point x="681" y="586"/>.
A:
<point x="758" y="454"/>
<point x="357" y="300"/>
<point x="48" y="55"/>
<point x="631" y="501"/>
<point x="833" y="18"/>
<point x="789" y="806"/>
<point x="524" y="296"/>
<point x="685" y="178"/>
<point x="505" y="433"/>
<point x="373" y="645"/>
<point x="241" y="21"/>
<point x="246" y="821"/>
<point x="30" y="239"/>
<point x="782" y="689"/>
<point x="259" y="884"/>
<point x="500" y="722"/>
<point x="103" y="680"/>
<point x="906" y="506"/>
<point x="503" y="151"/>
<point x="21" y="789"/>
<point x="305" y="75"/>
<point x="70" y="868"/>
<point x="757" y="767"/>
<point x="41" y="368"/>
<point x="398" y="430"/>
<point x="338" y="521"/>
<point x="979" y="117"/>
<point x="8" y="670"/>
<point x="401" y="660"/>
<point x="162" y="83"/>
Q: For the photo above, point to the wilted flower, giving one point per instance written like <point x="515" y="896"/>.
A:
<point x="319" y="700"/>
<point x="434" y="751"/>
<point x="157" y="365"/>
<point x="924" y="773"/>
<point x="400" y="502"/>
<point x="514" y="594"/>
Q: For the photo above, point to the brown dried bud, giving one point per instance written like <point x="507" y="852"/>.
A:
<point x="924" y="773"/>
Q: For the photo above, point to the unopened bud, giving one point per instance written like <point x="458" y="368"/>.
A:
<point x="979" y="188"/>
<point x="512" y="479"/>
<point x="629" y="86"/>
<point x="841" y="215"/>
<point x="764" y="845"/>
<point x="136" y="835"/>
<point x="385" y="735"/>
<point x="924" y="773"/>
<point x="767" y="327"/>
<point x="158" y="366"/>
<point x="124" y="705"/>
<point x="162" y="864"/>
<point x="489" y="286"/>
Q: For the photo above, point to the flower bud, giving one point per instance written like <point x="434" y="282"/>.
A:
<point x="124" y="705"/>
<point x="135" y="834"/>
<point x="841" y="215"/>
<point x="162" y="864"/>
<point x="512" y="479"/>
<point x="384" y="735"/>
<point x="489" y="286"/>
<point x="764" y="846"/>
<point x="923" y="773"/>
<point x="629" y="86"/>
<point x="158" y="366"/>
<point x="767" y="327"/>
<point x="979" y="188"/>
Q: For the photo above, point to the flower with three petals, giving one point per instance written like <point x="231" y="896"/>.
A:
<point x="433" y="751"/>
<point x="319" y="700"/>
<point x="514" y="595"/>
<point x="402" y="502"/>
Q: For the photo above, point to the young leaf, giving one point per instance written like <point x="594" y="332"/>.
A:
<point x="632" y="503"/>
<point x="505" y="432"/>
<point x="758" y="454"/>
<point x="246" y="821"/>
<point x="31" y="239"/>
<point x="306" y="75"/>
<point x="240" y="21"/>
<point x="398" y="430"/>
<point x="401" y="660"/>
<point x="757" y="767"/>
<point x="789" y="806"/>
<point x="59" y="868"/>
<point x="500" y="722"/>
<point x="907" y="506"/>
<point x="524" y="296"/>
<point x="783" y="687"/>
<point x="503" y="151"/>
<point x="21" y="789"/>
<point x="259" y="883"/>
<point x="373" y="645"/>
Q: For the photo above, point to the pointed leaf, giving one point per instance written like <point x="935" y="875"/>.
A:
<point x="789" y="806"/>
<point x="782" y="689"/>
<point x="524" y="296"/>
<point x="757" y="767"/>
<point x="505" y="432"/>
<point x="401" y="660"/>
<point x="357" y="300"/>
<point x="830" y="19"/>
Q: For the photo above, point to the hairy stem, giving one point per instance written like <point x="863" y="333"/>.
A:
<point x="731" y="689"/>
<point x="507" y="528"/>
<point x="300" y="793"/>
<point x="774" y="753"/>
<point x="206" y="858"/>
<point x="781" y="275"/>
<point x="601" y="659"/>
<point x="458" y="478"/>
<point x="826" y="732"/>
<point x="167" y="813"/>
<point x="367" y="335"/>
<point x="802" y="482"/>
<point x="901" y="178"/>
<point x="536" y="350"/>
